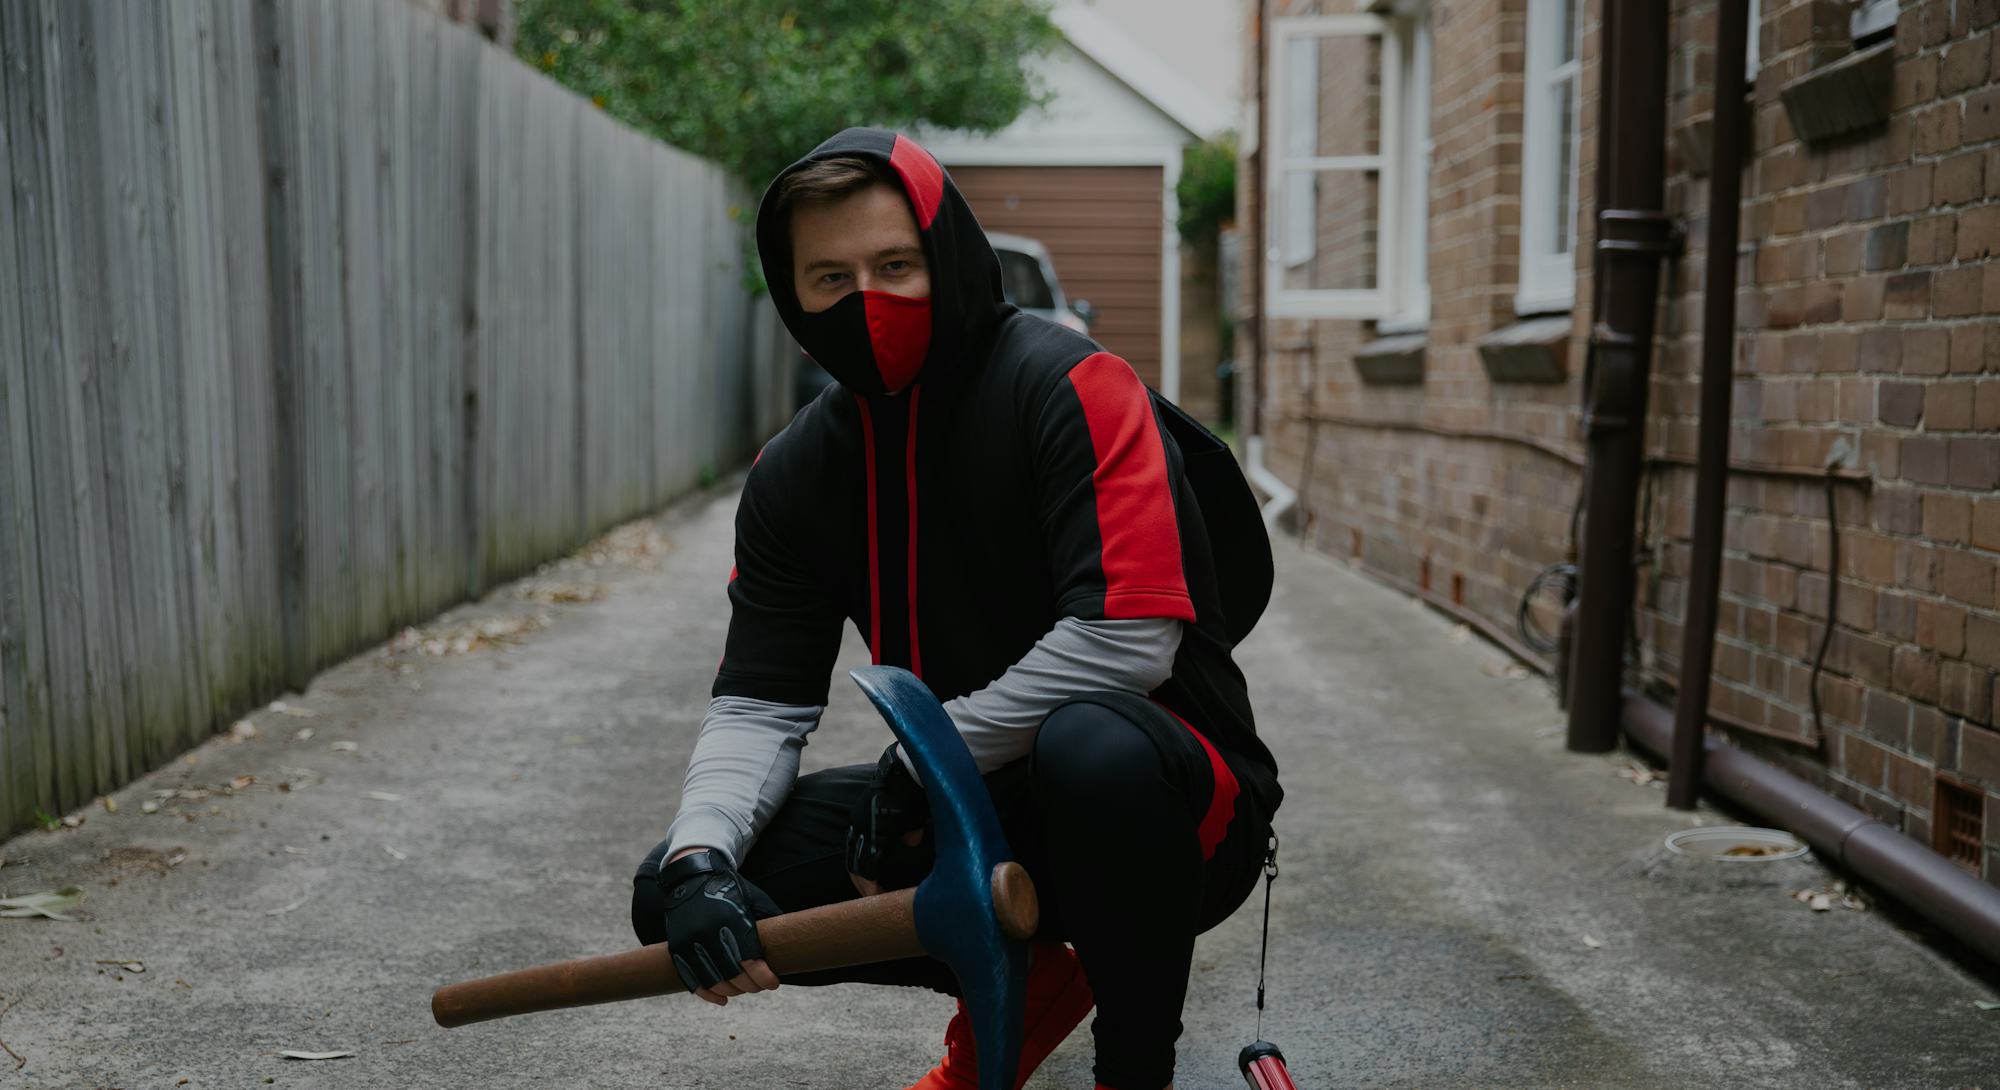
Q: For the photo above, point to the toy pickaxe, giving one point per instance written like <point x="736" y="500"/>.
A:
<point x="974" y="911"/>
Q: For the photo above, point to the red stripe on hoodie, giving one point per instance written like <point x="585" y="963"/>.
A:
<point x="922" y="177"/>
<point x="874" y="542"/>
<point x="1222" y="802"/>
<point x="1140" y="537"/>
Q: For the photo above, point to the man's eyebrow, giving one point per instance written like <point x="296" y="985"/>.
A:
<point x="829" y="263"/>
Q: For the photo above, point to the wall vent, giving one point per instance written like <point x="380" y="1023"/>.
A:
<point x="1958" y="823"/>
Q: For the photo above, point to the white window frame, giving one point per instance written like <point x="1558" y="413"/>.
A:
<point x="1387" y="163"/>
<point x="1872" y="17"/>
<point x="1300" y="114"/>
<point x="1751" y="56"/>
<point x="1548" y="276"/>
<point x="1411" y="303"/>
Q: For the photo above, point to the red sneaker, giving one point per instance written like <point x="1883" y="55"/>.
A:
<point x="1058" y="998"/>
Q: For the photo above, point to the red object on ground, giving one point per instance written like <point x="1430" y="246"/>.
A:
<point x="1058" y="998"/>
<point x="1264" y="1067"/>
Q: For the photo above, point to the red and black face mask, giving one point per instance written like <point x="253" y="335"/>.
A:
<point x="874" y="342"/>
<point x="871" y="341"/>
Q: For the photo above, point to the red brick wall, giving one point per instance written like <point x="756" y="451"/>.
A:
<point x="1868" y="315"/>
<point x="1866" y="318"/>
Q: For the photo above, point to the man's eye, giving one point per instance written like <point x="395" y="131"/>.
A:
<point x="896" y="266"/>
<point x="830" y="279"/>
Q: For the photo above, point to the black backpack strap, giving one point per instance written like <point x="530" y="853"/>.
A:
<point x="1234" y="520"/>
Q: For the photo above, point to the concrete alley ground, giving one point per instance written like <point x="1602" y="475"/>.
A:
<point x="1463" y="903"/>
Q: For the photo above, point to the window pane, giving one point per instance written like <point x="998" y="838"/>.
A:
<point x="1566" y="50"/>
<point x="1332" y="96"/>
<point x="1329" y="230"/>
<point x="1301" y="97"/>
<point x="1564" y="92"/>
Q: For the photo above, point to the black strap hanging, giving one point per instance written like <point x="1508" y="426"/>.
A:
<point x="1262" y="1065"/>
<point x="1264" y="945"/>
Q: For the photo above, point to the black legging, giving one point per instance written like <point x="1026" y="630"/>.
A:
<point x="1109" y="815"/>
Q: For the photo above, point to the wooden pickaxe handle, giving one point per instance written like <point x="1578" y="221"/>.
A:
<point x="857" y="932"/>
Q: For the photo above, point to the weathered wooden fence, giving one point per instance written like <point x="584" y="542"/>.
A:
<point x="317" y="316"/>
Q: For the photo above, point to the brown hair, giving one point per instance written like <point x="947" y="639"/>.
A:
<point x="830" y="180"/>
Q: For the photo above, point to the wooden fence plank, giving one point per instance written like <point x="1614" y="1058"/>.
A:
<point x="198" y="289"/>
<point x="95" y="498"/>
<point x="140" y="410"/>
<point x="400" y="409"/>
<point x="248" y="475"/>
<point x="53" y="647"/>
<point x="364" y="272"/>
<point x="23" y="700"/>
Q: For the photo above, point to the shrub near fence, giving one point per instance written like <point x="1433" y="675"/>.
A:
<point x="317" y="316"/>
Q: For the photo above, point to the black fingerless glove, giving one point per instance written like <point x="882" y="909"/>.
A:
<point x="711" y="918"/>
<point x="893" y="806"/>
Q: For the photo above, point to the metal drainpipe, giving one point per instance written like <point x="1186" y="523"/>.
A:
<point x="1633" y="234"/>
<point x="1940" y="891"/>
<point x="1718" y="358"/>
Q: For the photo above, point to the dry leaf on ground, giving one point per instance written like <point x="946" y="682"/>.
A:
<point x="635" y="544"/>
<point x="55" y="904"/>
<point x="1823" y="900"/>
<point x="295" y="1054"/>
<point x="552" y="592"/>
<point x="1638" y="773"/>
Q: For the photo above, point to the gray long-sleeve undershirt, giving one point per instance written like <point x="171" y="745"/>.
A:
<point x="747" y="754"/>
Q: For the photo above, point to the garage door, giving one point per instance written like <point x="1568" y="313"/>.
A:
<point x="1102" y="226"/>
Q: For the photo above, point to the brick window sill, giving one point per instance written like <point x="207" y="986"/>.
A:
<point x="1392" y="361"/>
<point x="1847" y="96"/>
<point x="1533" y="350"/>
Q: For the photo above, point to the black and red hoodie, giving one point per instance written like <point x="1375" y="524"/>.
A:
<point x="959" y="506"/>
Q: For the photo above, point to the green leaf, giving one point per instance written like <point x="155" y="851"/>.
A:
<point x="1206" y="191"/>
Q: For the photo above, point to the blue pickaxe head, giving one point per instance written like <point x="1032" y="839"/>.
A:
<point x="957" y="919"/>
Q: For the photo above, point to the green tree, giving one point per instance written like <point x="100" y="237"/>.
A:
<point x="753" y="84"/>
<point x="1207" y="188"/>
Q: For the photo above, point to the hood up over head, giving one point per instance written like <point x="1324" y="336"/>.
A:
<point x="875" y="342"/>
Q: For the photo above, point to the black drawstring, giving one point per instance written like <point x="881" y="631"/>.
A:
<point x="1264" y="947"/>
